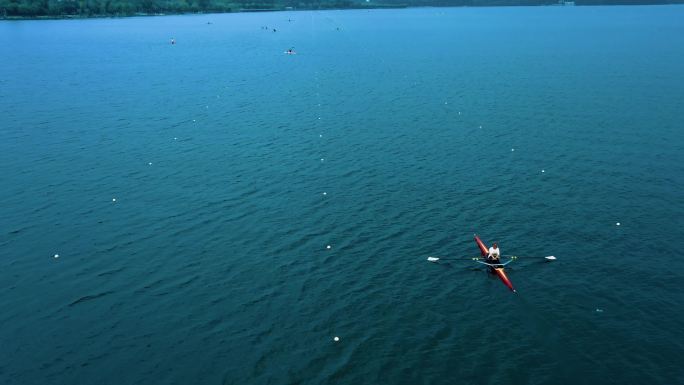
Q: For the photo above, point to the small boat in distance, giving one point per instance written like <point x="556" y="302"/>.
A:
<point x="494" y="266"/>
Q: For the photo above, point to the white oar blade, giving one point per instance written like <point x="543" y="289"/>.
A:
<point x="550" y="258"/>
<point x="433" y="259"/>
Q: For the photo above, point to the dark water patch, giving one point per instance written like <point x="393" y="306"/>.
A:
<point x="111" y="272"/>
<point x="90" y="298"/>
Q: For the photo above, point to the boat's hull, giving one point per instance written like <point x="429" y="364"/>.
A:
<point x="499" y="271"/>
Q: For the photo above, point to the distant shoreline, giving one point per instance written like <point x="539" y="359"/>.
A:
<point x="142" y="14"/>
<point x="209" y="12"/>
<point x="287" y="9"/>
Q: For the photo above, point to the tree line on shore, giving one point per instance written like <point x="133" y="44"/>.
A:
<point x="35" y="8"/>
<point x="86" y="8"/>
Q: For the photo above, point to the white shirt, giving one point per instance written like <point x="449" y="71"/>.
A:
<point x="494" y="252"/>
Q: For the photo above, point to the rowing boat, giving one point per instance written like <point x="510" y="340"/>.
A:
<point x="496" y="268"/>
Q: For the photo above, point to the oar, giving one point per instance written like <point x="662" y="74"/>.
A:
<point x="512" y="257"/>
<point x="549" y="258"/>
<point x="435" y="259"/>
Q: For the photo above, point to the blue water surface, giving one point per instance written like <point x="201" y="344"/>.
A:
<point x="191" y="191"/>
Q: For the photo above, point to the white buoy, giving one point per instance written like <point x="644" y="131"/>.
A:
<point x="325" y="193"/>
<point x="459" y="112"/>
<point x="433" y="259"/>
<point x="328" y="247"/>
<point x="480" y="126"/>
<point x="446" y="102"/>
<point x="322" y="159"/>
<point x="512" y="149"/>
<point x="56" y="255"/>
<point x="543" y="171"/>
<point x="320" y="136"/>
<point x="175" y="138"/>
<point x="150" y="163"/>
<point x="113" y="199"/>
<point x="336" y="339"/>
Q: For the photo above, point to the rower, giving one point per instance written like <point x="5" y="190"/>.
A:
<point x="494" y="253"/>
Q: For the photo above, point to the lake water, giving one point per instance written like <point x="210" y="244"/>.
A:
<point x="191" y="191"/>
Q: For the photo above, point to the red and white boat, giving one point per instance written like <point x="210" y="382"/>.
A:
<point x="495" y="268"/>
